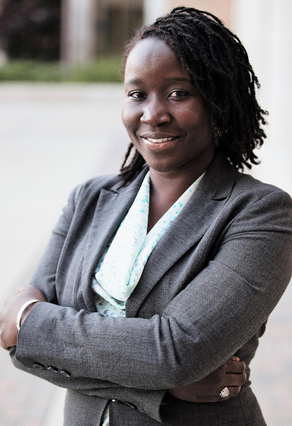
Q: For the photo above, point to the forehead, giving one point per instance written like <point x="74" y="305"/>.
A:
<point x="150" y="56"/>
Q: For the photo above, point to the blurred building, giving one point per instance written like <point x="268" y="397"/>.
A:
<point x="94" y="27"/>
<point x="30" y="29"/>
<point x="97" y="27"/>
<point x="155" y="8"/>
<point x="264" y="27"/>
<point x="78" y="31"/>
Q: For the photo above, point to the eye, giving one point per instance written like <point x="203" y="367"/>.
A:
<point x="178" y="94"/>
<point x="136" y="94"/>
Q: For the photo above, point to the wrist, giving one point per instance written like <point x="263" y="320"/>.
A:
<point x="24" y="311"/>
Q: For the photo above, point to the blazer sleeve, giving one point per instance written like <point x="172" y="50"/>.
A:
<point x="204" y="325"/>
<point x="45" y="275"/>
<point x="44" y="279"/>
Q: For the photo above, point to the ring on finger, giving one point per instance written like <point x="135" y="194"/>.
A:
<point x="225" y="392"/>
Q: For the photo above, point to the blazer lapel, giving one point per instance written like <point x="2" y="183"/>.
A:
<point x="111" y="208"/>
<point x="192" y="223"/>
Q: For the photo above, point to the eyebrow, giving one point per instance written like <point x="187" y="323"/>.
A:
<point x="178" y="79"/>
<point x="169" y="79"/>
<point x="134" y="81"/>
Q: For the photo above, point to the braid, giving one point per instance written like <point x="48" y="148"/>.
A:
<point x="219" y="66"/>
<point x="129" y="172"/>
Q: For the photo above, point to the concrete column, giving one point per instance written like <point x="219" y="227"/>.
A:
<point x="153" y="9"/>
<point x="221" y="8"/>
<point x="78" y="35"/>
<point x="264" y="27"/>
<point x="3" y="56"/>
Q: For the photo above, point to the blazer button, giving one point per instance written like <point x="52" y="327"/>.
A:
<point x="53" y="369"/>
<point x="65" y="373"/>
<point x="38" y="366"/>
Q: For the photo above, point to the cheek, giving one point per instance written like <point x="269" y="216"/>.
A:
<point x="127" y="121"/>
<point x="124" y="114"/>
<point x="199" y="122"/>
<point x="129" y="118"/>
<point x="189" y="115"/>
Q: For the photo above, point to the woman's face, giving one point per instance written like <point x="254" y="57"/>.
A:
<point x="163" y="111"/>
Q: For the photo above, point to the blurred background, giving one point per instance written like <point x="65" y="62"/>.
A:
<point x="60" y="99"/>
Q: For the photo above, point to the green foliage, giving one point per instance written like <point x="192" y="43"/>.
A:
<point x="105" y="69"/>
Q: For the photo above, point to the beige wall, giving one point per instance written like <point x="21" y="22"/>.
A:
<point x="264" y="27"/>
<point x="221" y="8"/>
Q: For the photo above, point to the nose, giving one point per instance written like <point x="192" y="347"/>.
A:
<point x="155" y="113"/>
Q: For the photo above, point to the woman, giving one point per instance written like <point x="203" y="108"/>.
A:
<point x="154" y="279"/>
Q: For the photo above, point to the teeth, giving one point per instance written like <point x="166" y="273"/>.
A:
<point x="159" y="140"/>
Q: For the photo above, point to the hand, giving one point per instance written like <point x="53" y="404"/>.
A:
<point x="231" y="374"/>
<point x="9" y="313"/>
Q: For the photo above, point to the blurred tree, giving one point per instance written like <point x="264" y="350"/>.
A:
<point x="30" y="29"/>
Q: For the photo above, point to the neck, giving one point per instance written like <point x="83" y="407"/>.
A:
<point x="171" y="185"/>
<point x="164" y="192"/>
<point x="166" y="187"/>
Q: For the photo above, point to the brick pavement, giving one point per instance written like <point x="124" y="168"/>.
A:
<point x="272" y="366"/>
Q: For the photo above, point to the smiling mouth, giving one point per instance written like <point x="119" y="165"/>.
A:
<point x="159" y="140"/>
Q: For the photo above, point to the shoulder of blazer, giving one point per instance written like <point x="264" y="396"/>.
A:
<point x="91" y="189"/>
<point x="222" y="180"/>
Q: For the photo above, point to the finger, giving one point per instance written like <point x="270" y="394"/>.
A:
<point x="235" y="367"/>
<point x="233" y="391"/>
<point x="234" y="379"/>
<point x="2" y="345"/>
<point x="235" y="358"/>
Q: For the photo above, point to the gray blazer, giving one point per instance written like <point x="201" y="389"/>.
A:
<point x="205" y="295"/>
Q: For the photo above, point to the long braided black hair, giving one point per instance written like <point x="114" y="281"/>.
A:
<point x="219" y="66"/>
